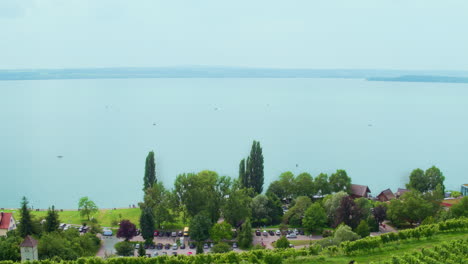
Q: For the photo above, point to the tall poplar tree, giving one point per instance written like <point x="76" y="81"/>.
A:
<point x="255" y="168"/>
<point x="242" y="174"/>
<point x="150" y="171"/>
<point x="25" y="228"/>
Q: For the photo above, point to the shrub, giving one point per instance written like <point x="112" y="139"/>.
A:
<point x="363" y="229"/>
<point x="283" y="242"/>
<point x="327" y="233"/>
<point x="221" y="248"/>
<point x="124" y="248"/>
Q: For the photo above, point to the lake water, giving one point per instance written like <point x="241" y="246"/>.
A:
<point x="377" y="131"/>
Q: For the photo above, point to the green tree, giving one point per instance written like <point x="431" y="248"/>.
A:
<point x="124" y="248"/>
<point x="160" y="200"/>
<point x="322" y="187"/>
<point x="344" y="233"/>
<point x="363" y="229"/>
<point x="147" y="224"/>
<point x="295" y="214"/>
<point x="245" y="235"/>
<point x="460" y="209"/>
<point x="200" y="227"/>
<point x="411" y="208"/>
<point x="150" y="171"/>
<point x="315" y="218"/>
<point x="304" y="185"/>
<point x="261" y="210"/>
<point x="254" y="169"/>
<point x="9" y="246"/>
<point x="426" y="181"/>
<point x="339" y="181"/>
<point x="242" y="174"/>
<point x="221" y="231"/>
<point x="435" y="177"/>
<point x="26" y="226"/>
<point x="52" y="221"/>
<point x="331" y="203"/>
<point x="418" y="181"/>
<point x="365" y="205"/>
<point x="282" y="242"/>
<point x="204" y="191"/>
<point x="237" y="205"/>
<point x="87" y="207"/>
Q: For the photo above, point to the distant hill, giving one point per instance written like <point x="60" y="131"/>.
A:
<point x="218" y="72"/>
<point x="421" y="78"/>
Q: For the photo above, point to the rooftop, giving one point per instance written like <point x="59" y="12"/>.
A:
<point x="5" y="219"/>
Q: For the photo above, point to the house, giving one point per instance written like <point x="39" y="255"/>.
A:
<point x="386" y="195"/>
<point x="7" y="223"/>
<point x="400" y="192"/>
<point x="358" y="191"/>
<point x="464" y="190"/>
<point x="29" y="249"/>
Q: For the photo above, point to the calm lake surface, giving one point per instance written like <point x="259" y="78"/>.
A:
<point x="377" y="131"/>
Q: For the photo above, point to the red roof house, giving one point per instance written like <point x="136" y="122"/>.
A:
<point x="7" y="223"/>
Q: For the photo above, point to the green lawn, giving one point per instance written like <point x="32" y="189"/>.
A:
<point x="383" y="254"/>
<point x="105" y="217"/>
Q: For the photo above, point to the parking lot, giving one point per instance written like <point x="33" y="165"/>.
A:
<point x="168" y="240"/>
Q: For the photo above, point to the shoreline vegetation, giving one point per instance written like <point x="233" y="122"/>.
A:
<point x="233" y="72"/>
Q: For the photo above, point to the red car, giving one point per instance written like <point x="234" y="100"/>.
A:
<point x="156" y="233"/>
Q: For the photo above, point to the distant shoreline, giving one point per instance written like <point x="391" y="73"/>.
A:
<point x="232" y="72"/>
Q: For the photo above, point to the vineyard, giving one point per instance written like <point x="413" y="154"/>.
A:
<point x="428" y="237"/>
<point x="447" y="253"/>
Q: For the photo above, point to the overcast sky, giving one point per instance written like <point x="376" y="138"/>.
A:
<point x="393" y="34"/>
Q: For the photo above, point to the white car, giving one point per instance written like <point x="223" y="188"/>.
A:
<point x="107" y="232"/>
<point x="278" y="233"/>
<point x="292" y="235"/>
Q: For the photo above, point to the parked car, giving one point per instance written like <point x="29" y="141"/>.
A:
<point x="180" y="233"/>
<point x="167" y="246"/>
<point x="292" y="235"/>
<point x="168" y="233"/>
<point x="138" y="232"/>
<point x="164" y="253"/>
<point x="175" y="246"/>
<point x="174" y="234"/>
<point x="301" y="232"/>
<point x="107" y="232"/>
<point x="155" y="254"/>
<point x="152" y="246"/>
<point x="278" y="233"/>
<point x="190" y="253"/>
<point x="156" y="233"/>
<point x="182" y="246"/>
<point x="80" y="229"/>
<point x="265" y="233"/>
<point x="257" y="232"/>
<point x="161" y="234"/>
<point x="174" y="253"/>
<point x="159" y="246"/>
<point x="234" y="245"/>
<point x="205" y="246"/>
<point x="271" y="233"/>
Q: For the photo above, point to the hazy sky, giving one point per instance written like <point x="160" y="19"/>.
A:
<point x="393" y="34"/>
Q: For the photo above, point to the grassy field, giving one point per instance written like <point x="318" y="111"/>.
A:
<point x="383" y="254"/>
<point x="105" y="217"/>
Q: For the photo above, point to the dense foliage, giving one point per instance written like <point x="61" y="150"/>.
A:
<point x="251" y="173"/>
<point x="87" y="207"/>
